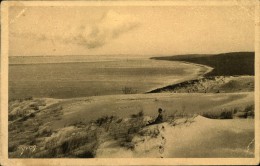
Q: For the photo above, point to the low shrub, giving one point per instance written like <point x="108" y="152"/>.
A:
<point x="249" y="108"/>
<point x="28" y="98"/>
<point x="128" y="90"/>
<point x="246" y="112"/>
<point x="86" y="154"/>
<point x="81" y="145"/>
<point x="104" y="120"/>
<point x="226" y="115"/>
<point x="223" y="114"/>
<point x="128" y="145"/>
<point x="138" y="115"/>
<point x="11" y="117"/>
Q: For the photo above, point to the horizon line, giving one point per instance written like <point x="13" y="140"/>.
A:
<point x="131" y="54"/>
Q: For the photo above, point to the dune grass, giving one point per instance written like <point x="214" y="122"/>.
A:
<point x="246" y="112"/>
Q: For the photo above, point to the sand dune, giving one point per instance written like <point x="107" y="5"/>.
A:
<point x="86" y="109"/>
<point x="201" y="138"/>
<point x="68" y="124"/>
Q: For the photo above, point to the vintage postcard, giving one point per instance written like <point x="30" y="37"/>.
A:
<point x="130" y="82"/>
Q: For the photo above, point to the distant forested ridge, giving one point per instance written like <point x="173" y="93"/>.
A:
<point x="226" y="64"/>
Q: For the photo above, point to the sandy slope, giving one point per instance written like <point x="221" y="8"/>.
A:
<point x="219" y="84"/>
<point x="201" y="138"/>
<point x="90" y="108"/>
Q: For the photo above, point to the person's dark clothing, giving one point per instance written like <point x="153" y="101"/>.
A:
<point x="159" y="119"/>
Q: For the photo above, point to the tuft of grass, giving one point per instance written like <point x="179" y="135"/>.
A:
<point x="226" y="115"/>
<point x="138" y="115"/>
<point x="128" y="90"/>
<point x="223" y="114"/>
<point x="81" y="143"/>
<point x="104" y="120"/>
<point x="210" y="115"/>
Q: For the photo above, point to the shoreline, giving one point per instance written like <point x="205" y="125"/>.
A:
<point x="195" y="71"/>
<point x="199" y="76"/>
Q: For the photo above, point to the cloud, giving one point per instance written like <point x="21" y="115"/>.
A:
<point x="111" y="26"/>
<point x="90" y="35"/>
<point x="39" y="36"/>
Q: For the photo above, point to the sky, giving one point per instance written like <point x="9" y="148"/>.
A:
<point x="135" y="30"/>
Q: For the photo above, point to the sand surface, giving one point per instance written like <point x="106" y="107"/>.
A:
<point x="90" y="108"/>
<point x="201" y="138"/>
<point x="195" y="136"/>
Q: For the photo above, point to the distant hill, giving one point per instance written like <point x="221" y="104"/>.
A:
<point x="226" y="64"/>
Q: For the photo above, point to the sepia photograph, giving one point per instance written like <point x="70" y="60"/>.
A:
<point x="130" y="80"/>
